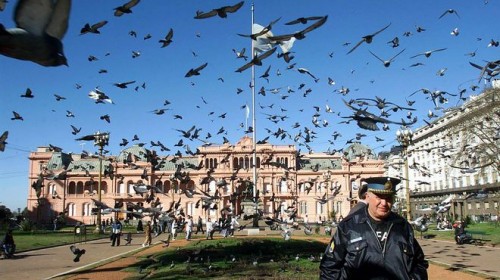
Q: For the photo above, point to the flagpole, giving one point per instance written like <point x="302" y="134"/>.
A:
<point x="254" y="133"/>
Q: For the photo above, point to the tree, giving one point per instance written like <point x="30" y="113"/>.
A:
<point x="5" y="215"/>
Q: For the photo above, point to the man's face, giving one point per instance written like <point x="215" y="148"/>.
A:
<point x="379" y="206"/>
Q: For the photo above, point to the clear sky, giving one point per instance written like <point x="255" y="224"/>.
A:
<point x="201" y="100"/>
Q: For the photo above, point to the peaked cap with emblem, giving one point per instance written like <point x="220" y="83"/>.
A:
<point x="382" y="185"/>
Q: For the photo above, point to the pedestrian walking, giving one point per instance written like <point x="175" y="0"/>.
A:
<point x="210" y="229"/>
<point x="199" y="226"/>
<point x="233" y="224"/>
<point x="116" y="232"/>
<point x="139" y="226"/>
<point x="8" y="245"/>
<point x="147" y="232"/>
<point x="189" y="227"/>
<point x="174" y="228"/>
<point x="55" y="223"/>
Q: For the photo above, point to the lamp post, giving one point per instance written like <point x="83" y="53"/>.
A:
<point x="327" y="176"/>
<point x="100" y="140"/>
<point x="404" y="136"/>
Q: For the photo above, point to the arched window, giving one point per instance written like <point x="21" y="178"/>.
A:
<point x="303" y="207"/>
<point x="283" y="186"/>
<point x="212" y="186"/>
<point x="241" y="163"/>
<point x="71" y="209"/>
<point x="258" y="162"/>
<point x="79" y="187"/>
<point x="247" y="163"/>
<point x="235" y="163"/>
<point x="207" y="163"/>
<point x="215" y="163"/>
<point x="86" y="209"/>
<point x="190" y="208"/>
<point x="319" y="208"/>
<point x="72" y="188"/>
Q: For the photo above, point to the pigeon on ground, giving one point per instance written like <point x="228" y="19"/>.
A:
<point x="40" y="27"/>
<point x="77" y="252"/>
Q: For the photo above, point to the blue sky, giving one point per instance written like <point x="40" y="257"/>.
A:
<point x="323" y="52"/>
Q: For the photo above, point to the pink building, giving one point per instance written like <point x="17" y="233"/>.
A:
<point x="284" y="177"/>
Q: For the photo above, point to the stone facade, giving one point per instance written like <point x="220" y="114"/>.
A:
<point x="457" y="154"/>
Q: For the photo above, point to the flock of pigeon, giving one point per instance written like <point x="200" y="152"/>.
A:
<point x="39" y="37"/>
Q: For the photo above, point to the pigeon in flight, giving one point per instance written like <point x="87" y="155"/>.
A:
<point x="123" y="85"/>
<point x="257" y="60"/>
<point x="221" y="12"/>
<point x="77" y="252"/>
<point x="168" y="38"/>
<point x="428" y="53"/>
<point x="126" y="8"/>
<point x="302" y="20"/>
<point x="195" y="71"/>
<point x="301" y="34"/>
<point x="449" y="11"/>
<point x="94" y="28"/>
<point x="368" y="38"/>
<point x="28" y="94"/>
<point x="16" y="116"/>
<point x="3" y="141"/>
<point x="40" y="27"/>
<point x="387" y="63"/>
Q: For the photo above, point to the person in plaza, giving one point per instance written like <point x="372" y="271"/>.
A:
<point x="210" y="229"/>
<point x="147" y="232"/>
<point x="374" y="242"/>
<point x="199" y="226"/>
<point x="116" y="232"/>
<point x="361" y="199"/>
<point x="189" y="227"/>
<point x="461" y="235"/>
<point x="233" y="224"/>
<point x="140" y="227"/>
<point x="8" y="245"/>
<point x="173" y="228"/>
<point x="55" y="223"/>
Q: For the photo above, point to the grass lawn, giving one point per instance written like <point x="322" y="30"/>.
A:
<point x="484" y="231"/>
<point x="234" y="258"/>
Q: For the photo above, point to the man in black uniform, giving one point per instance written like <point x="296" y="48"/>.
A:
<point x="374" y="243"/>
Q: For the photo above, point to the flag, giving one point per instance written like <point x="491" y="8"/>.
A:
<point x="262" y="43"/>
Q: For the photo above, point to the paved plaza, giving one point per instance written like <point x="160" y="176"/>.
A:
<point x="52" y="262"/>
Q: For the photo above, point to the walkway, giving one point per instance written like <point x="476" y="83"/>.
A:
<point x="50" y="262"/>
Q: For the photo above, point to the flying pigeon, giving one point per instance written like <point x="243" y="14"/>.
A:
<point x="94" y="28"/>
<point x="40" y="27"/>
<point x="77" y="252"/>
<point x="368" y="38"/>
<point x="3" y="141"/>
<point x="221" y="12"/>
<point x="126" y="8"/>
<point x="195" y="71"/>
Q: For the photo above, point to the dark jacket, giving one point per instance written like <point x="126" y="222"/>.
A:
<point x="355" y="252"/>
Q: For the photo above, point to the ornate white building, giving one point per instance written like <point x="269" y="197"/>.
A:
<point x="456" y="156"/>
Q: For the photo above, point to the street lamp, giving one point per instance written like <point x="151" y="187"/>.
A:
<point x="327" y="176"/>
<point x="100" y="140"/>
<point x="404" y="135"/>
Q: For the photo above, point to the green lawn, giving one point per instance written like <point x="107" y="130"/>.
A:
<point x="234" y="258"/>
<point x="484" y="231"/>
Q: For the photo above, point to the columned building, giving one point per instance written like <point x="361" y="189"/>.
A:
<point x="217" y="179"/>
<point x="457" y="156"/>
